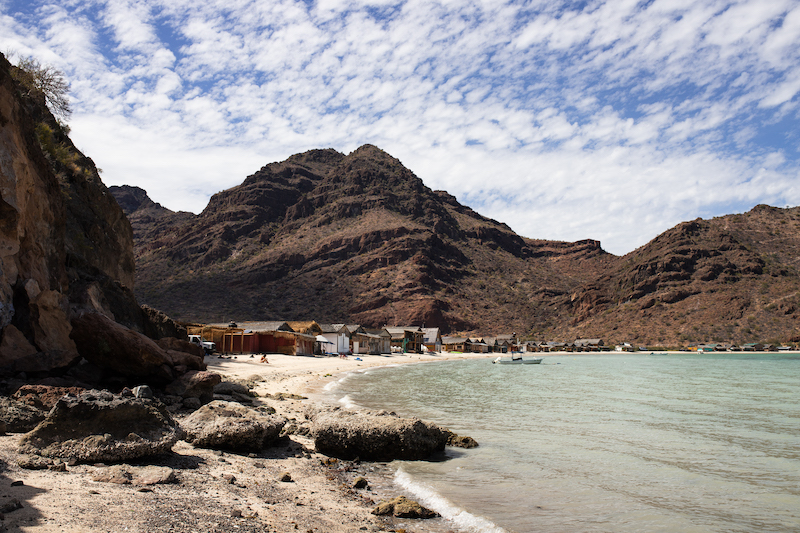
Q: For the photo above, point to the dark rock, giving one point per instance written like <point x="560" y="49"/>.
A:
<point x="19" y="417"/>
<point x="192" y="403"/>
<point x="461" y="441"/>
<point x="43" y="396"/>
<point x="360" y="483"/>
<point x="402" y="507"/>
<point x="120" y="350"/>
<point x="97" y="426"/>
<point x="181" y="345"/>
<point x="374" y="437"/>
<point x="230" y="387"/>
<point x="228" y="425"/>
<point x="10" y="506"/>
<point x="188" y="360"/>
<point x="195" y="384"/>
<point x="285" y="477"/>
<point x="157" y="325"/>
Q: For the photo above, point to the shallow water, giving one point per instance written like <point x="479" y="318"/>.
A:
<point x="604" y="443"/>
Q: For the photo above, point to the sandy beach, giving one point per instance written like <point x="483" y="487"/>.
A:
<point x="220" y="491"/>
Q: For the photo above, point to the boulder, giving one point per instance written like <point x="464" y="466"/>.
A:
<point x="402" y="507"/>
<point x="231" y="426"/>
<point x="374" y="436"/>
<point x="171" y="343"/>
<point x="14" y="346"/>
<point x="190" y="361"/>
<point x="461" y="441"/>
<point x="43" y="396"/>
<point x="19" y="417"/>
<point x="195" y="384"/>
<point x="157" y="325"/>
<point x="97" y="426"/>
<point x="120" y="350"/>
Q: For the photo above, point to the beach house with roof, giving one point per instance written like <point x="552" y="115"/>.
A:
<point x="455" y="344"/>
<point x="266" y="337"/>
<point x="588" y="345"/>
<point x="383" y="339"/>
<point x="432" y="339"/>
<point x="478" y="345"/>
<point x="338" y="336"/>
<point x="308" y="327"/>
<point x="406" y="339"/>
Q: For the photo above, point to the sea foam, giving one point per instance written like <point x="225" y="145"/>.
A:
<point x="435" y="501"/>
<point x="347" y="401"/>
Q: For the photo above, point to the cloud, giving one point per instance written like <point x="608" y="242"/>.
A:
<point x="610" y="120"/>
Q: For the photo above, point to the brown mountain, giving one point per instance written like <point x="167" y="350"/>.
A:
<point x="730" y="279"/>
<point x="359" y="239"/>
<point x="355" y="238"/>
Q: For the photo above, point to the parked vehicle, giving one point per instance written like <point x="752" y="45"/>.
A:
<point x="207" y="346"/>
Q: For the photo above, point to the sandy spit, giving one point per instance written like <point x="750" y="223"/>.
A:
<point x="217" y="491"/>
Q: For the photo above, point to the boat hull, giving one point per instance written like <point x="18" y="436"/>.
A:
<point x="520" y="361"/>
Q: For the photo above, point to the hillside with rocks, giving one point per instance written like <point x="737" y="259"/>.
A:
<point x="349" y="238"/>
<point x="67" y="308"/>
<point x="730" y="279"/>
<point x="358" y="238"/>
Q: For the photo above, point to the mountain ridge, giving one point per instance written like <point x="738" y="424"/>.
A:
<point x="358" y="238"/>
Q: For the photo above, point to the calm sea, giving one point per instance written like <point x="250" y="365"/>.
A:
<point x="611" y="443"/>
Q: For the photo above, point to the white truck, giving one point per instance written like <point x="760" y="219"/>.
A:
<point x="207" y="346"/>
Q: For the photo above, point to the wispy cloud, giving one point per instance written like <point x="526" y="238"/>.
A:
<point x="605" y="120"/>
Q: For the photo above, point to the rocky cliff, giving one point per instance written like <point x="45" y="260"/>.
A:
<point x="66" y="247"/>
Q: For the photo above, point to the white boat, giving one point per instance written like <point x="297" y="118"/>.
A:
<point x="517" y="360"/>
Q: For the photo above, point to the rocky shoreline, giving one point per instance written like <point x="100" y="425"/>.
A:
<point x="285" y="485"/>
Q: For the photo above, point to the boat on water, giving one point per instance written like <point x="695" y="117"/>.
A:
<point x="517" y="360"/>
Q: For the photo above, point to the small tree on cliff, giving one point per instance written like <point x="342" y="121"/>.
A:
<point x="44" y="81"/>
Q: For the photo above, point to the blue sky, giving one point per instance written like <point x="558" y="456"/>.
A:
<point x="567" y="120"/>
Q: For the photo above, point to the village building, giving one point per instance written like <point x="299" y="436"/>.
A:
<point x="455" y="344"/>
<point x="432" y="339"/>
<point x="406" y="339"/>
<point x="308" y="327"/>
<point x="265" y="337"/>
<point x="477" y="345"/>
<point x="337" y="336"/>
<point x="384" y="340"/>
<point x="588" y="345"/>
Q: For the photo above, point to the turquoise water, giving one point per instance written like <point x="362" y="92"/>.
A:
<point x="604" y="443"/>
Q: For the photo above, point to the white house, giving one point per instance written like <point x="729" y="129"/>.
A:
<point x="338" y="336"/>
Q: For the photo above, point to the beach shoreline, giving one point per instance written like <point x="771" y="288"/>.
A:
<point x="222" y="491"/>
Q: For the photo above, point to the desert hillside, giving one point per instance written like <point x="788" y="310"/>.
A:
<point x="358" y="238"/>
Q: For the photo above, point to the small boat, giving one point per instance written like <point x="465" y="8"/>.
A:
<point x="517" y="360"/>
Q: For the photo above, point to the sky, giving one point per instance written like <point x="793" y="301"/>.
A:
<point x="567" y="120"/>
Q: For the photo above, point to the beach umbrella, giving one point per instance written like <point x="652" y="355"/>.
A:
<point x="320" y="338"/>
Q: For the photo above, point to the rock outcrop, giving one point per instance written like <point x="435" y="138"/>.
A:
<point x="402" y="507"/>
<point x="374" y="436"/>
<point x="19" y="417"/>
<point x="66" y="247"/>
<point x="121" y="351"/>
<point x="97" y="426"/>
<point x="231" y="426"/>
